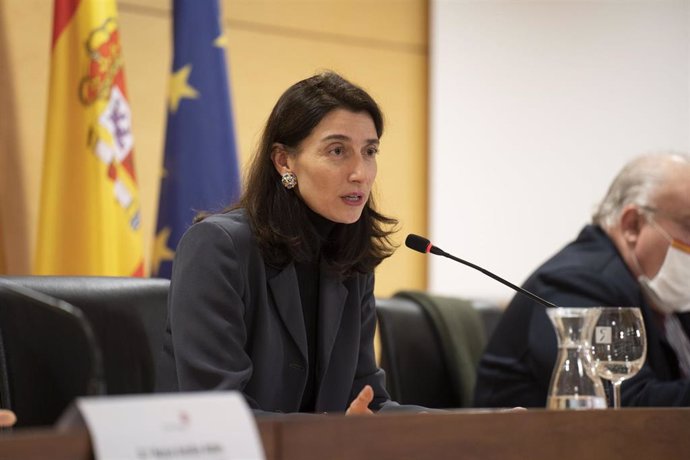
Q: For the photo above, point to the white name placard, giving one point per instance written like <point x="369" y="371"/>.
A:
<point x="176" y="426"/>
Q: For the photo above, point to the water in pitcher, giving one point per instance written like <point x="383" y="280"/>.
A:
<point x="576" y="402"/>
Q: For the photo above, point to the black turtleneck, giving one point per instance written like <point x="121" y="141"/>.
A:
<point x="308" y="279"/>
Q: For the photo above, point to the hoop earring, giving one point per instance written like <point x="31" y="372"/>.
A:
<point x="289" y="180"/>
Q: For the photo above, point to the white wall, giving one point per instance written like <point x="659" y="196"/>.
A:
<point x="535" y="106"/>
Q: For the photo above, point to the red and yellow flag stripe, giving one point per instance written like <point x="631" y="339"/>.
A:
<point x="89" y="221"/>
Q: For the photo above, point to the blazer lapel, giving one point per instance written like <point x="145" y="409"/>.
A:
<point x="284" y="288"/>
<point x="332" y="296"/>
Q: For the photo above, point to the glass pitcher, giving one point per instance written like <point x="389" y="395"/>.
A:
<point x="574" y="385"/>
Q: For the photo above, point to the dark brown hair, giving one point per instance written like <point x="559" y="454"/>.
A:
<point x="279" y="217"/>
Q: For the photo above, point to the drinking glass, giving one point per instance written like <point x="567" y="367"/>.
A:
<point x="618" y="346"/>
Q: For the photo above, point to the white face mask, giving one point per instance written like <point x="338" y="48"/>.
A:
<point x="670" y="287"/>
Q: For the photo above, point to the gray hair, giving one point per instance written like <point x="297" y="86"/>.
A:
<point x="636" y="184"/>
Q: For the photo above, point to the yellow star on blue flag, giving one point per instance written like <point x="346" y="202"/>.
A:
<point x="161" y="250"/>
<point x="180" y="88"/>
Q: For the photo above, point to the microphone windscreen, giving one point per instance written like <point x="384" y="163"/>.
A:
<point x="418" y="243"/>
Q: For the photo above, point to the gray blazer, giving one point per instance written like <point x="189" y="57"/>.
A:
<point x="235" y="323"/>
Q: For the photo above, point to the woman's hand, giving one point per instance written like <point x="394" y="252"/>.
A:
<point x="7" y="418"/>
<point x="360" y="405"/>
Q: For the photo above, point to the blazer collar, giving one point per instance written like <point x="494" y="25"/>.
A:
<point x="285" y="290"/>
<point x="332" y="297"/>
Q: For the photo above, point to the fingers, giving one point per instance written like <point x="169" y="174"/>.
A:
<point x="360" y="405"/>
<point x="365" y="397"/>
<point x="7" y="417"/>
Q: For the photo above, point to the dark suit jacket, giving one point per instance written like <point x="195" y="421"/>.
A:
<point x="235" y="323"/>
<point x="516" y="367"/>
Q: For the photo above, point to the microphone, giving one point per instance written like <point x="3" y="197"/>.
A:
<point x="421" y="244"/>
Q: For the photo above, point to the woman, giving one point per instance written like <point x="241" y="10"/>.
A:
<point x="274" y="297"/>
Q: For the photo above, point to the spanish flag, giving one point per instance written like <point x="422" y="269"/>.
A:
<point x="89" y="222"/>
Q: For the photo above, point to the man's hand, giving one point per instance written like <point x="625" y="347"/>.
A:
<point x="360" y="405"/>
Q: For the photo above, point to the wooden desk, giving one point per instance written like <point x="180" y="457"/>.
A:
<point x="533" y="434"/>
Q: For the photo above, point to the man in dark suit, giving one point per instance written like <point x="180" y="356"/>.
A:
<point x="636" y="253"/>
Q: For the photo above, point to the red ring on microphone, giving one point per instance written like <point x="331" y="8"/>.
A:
<point x="429" y="246"/>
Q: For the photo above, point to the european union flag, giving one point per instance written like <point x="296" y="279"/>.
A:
<point x="200" y="171"/>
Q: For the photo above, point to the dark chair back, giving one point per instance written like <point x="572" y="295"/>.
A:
<point x="412" y="355"/>
<point x="128" y="317"/>
<point x="431" y="346"/>
<point x="461" y="332"/>
<point x="50" y="355"/>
